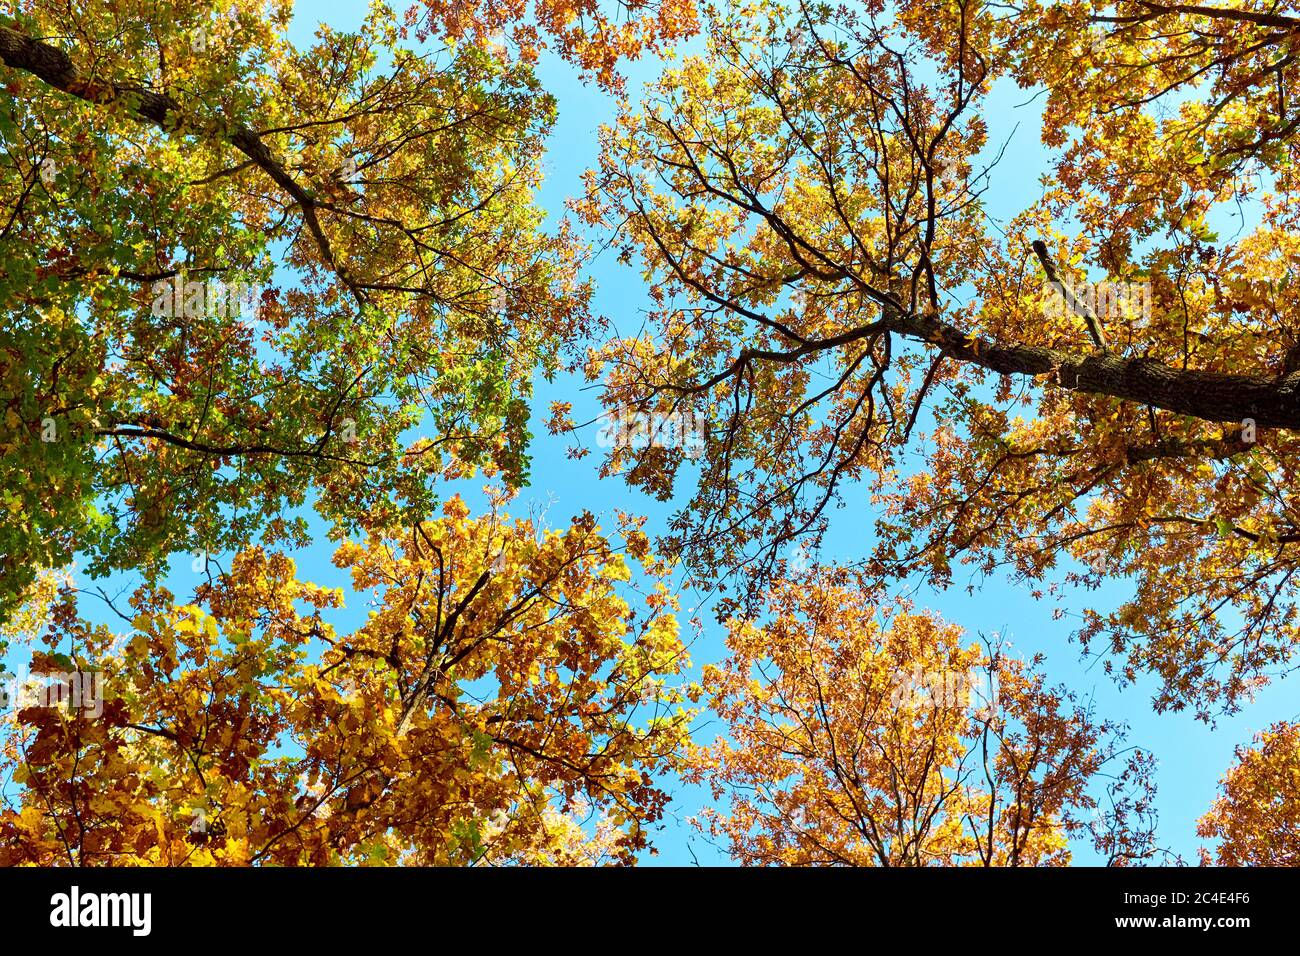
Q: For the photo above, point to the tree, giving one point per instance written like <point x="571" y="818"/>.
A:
<point x="243" y="276"/>
<point x="239" y="275"/>
<point x="502" y="702"/>
<point x="869" y="735"/>
<point x="1256" y="819"/>
<point x="1105" y="64"/>
<point x="1100" y="378"/>
<point x="594" y="35"/>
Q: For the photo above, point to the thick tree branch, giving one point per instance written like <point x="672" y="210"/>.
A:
<point x="54" y="67"/>
<point x="1077" y="305"/>
<point x="1197" y="10"/>
<point x="1210" y="396"/>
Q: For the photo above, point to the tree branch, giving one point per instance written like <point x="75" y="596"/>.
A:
<point x="1077" y="305"/>
<point x="54" y="67"/>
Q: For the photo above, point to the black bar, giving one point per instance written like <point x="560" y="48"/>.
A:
<point x="649" y="906"/>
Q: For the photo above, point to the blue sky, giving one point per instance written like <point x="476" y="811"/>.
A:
<point x="1192" y="756"/>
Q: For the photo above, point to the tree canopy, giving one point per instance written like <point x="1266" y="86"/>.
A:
<point x="250" y="283"/>
<point x="503" y="702"/>
<point x="373" y="208"/>
<point x="807" y="201"/>
<point x="873" y="737"/>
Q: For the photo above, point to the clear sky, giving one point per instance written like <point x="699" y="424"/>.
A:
<point x="1192" y="756"/>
